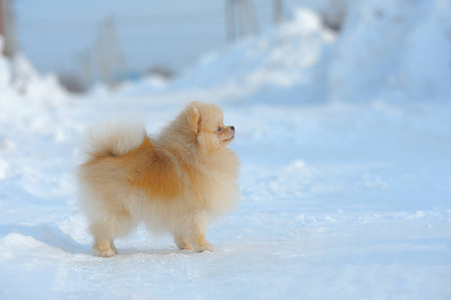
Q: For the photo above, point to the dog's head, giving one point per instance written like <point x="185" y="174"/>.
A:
<point x="205" y="122"/>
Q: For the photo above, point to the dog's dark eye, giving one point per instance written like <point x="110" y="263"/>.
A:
<point x="219" y="129"/>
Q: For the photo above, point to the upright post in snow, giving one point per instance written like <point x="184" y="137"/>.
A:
<point x="277" y="11"/>
<point x="241" y="19"/>
<point x="7" y="28"/>
<point x="230" y="20"/>
<point x="109" y="57"/>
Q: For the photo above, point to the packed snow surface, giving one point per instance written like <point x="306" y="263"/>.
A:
<point x="347" y="197"/>
<point x="337" y="201"/>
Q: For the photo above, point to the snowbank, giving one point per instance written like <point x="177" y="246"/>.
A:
<point x="283" y="58"/>
<point x="396" y="49"/>
<point x="28" y="103"/>
<point x="392" y="49"/>
<point x="19" y="79"/>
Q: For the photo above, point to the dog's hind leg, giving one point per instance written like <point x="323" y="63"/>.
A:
<point x="102" y="248"/>
<point x="103" y="237"/>
<point x="108" y="227"/>
<point x="104" y="234"/>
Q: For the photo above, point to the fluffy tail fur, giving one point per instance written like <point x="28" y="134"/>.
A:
<point x="114" y="138"/>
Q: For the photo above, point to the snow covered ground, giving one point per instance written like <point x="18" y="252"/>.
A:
<point x="348" y="197"/>
<point x="337" y="200"/>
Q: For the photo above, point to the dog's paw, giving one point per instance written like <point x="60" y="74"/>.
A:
<point x="185" y="246"/>
<point x="104" y="248"/>
<point x="105" y="253"/>
<point x="204" y="247"/>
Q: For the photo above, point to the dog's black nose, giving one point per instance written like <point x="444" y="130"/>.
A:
<point x="232" y="127"/>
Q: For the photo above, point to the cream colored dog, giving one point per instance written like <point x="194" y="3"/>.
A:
<point x="177" y="182"/>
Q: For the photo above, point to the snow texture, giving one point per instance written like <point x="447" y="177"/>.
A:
<point x="345" y="145"/>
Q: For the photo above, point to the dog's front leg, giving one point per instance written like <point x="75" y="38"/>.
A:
<point x="198" y="233"/>
<point x="182" y="241"/>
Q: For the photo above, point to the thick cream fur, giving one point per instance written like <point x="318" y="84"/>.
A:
<point x="114" y="137"/>
<point x="177" y="182"/>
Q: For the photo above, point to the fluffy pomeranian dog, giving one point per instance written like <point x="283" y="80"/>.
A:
<point x="177" y="182"/>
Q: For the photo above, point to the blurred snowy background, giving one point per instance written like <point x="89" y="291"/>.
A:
<point x="343" y="117"/>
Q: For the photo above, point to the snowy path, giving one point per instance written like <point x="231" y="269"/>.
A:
<point x="337" y="201"/>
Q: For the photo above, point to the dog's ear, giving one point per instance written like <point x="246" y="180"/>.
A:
<point x="194" y="120"/>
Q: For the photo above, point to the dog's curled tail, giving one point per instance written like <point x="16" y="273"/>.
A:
<point x="113" y="138"/>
